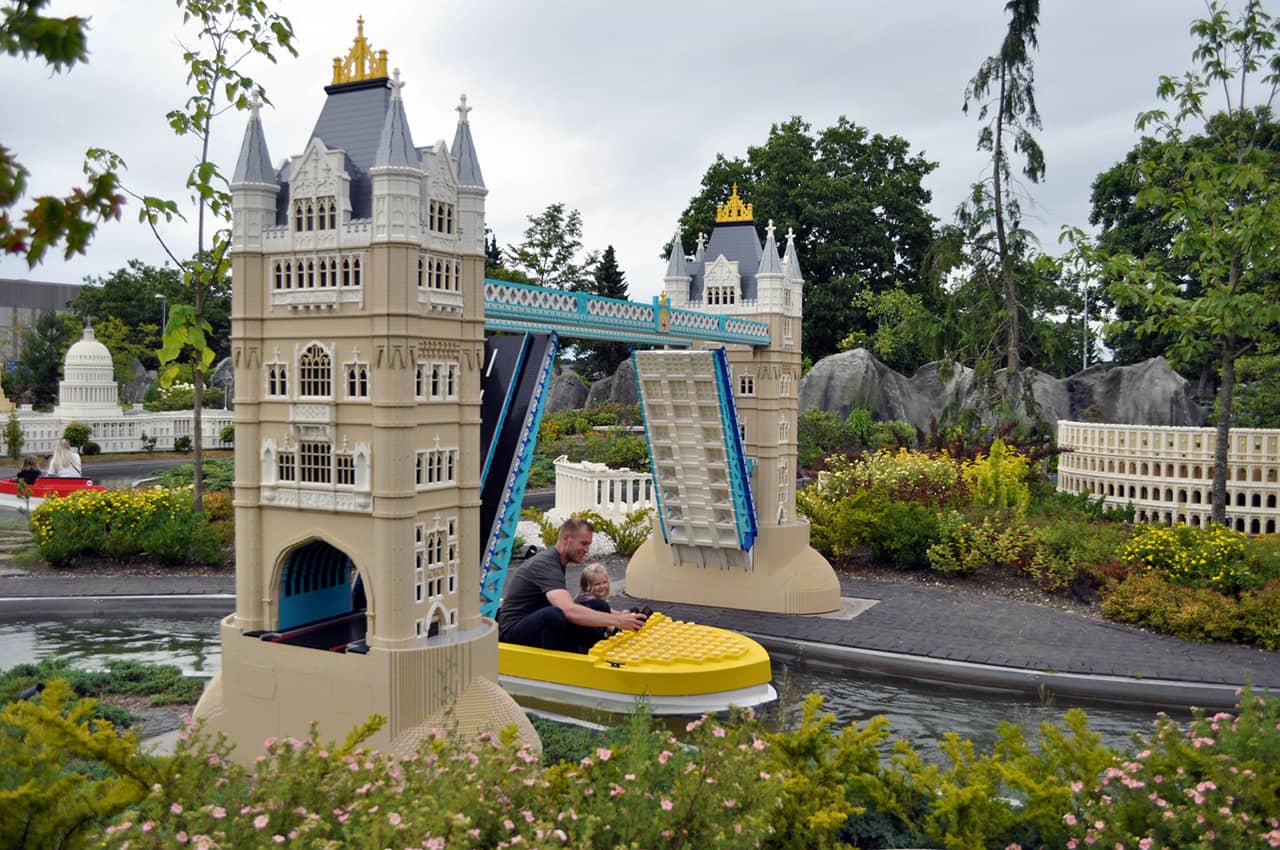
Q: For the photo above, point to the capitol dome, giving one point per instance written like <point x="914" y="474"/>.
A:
<point x="88" y="386"/>
<point x="87" y="352"/>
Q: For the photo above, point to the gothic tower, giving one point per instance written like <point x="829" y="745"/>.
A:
<point x="732" y="274"/>
<point x="358" y="336"/>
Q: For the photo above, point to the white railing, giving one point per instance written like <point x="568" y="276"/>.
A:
<point x="1167" y="472"/>
<point x="612" y="493"/>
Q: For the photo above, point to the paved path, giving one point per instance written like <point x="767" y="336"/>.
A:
<point x="898" y="628"/>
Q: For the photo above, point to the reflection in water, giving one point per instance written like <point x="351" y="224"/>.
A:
<point x="191" y="644"/>
<point x="920" y="712"/>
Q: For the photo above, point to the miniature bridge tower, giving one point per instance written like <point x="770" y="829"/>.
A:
<point x="358" y="342"/>
<point x="721" y="424"/>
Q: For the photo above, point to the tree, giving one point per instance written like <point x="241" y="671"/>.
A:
<point x="13" y="436"/>
<point x="494" y="266"/>
<point x="61" y="42"/>
<point x="121" y="341"/>
<point x="43" y="351"/>
<point x="609" y="281"/>
<point x="1004" y="89"/>
<point x="1148" y="230"/>
<point x="133" y="296"/>
<point x="229" y="32"/>
<point x="1222" y="209"/>
<point x="549" y="252"/>
<point x="860" y="212"/>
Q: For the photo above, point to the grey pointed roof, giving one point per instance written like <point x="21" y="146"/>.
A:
<point x="395" y="147"/>
<point x="700" y="252"/>
<point x="769" y="263"/>
<point x="352" y="120"/>
<point x="254" y="164"/>
<point x="463" y="150"/>
<point x="793" y="261"/>
<point x="735" y="241"/>
<point x="676" y="264"/>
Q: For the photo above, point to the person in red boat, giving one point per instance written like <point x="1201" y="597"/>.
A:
<point x="65" y="462"/>
<point x="30" y="471"/>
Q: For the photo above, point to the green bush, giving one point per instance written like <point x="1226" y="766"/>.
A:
<point x="219" y="474"/>
<point x="91" y="448"/>
<point x="77" y="433"/>
<point x="998" y="480"/>
<point x="182" y="444"/>
<point x="838" y="524"/>
<point x="182" y="396"/>
<point x="626" y="535"/>
<point x="123" y="524"/>
<point x="1068" y="548"/>
<point x="903" y="532"/>
<point x="1256" y="614"/>
<point x="965" y="548"/>
<point x="228" y="433"/>
<point x="1149" y="599"/>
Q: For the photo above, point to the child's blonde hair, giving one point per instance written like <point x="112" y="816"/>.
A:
<point x="591" y="571"/>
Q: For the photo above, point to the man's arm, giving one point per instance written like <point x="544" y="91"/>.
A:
<point x="581" y="615"/>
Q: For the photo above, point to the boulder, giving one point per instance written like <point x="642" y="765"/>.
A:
<point x="224" y="378"/>
<point x="567" y="392"/>
<point x="140" y="381"/>
<point x="619" y="388"/>
<point x="1147" y="393"/>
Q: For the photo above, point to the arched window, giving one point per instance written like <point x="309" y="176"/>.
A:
<point x="311" y="216"/>
<point x="333" y="216"/>
<point x="422" y="272"/>
<point x="314" y="373"/>
<point x="297" y="217"/>
<point x="355" y="272"/>
<point x="357" y="380"/>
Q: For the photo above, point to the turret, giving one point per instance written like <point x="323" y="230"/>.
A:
<point x="396" y="176"/>
<point x="678" y="277"/>
<point x="471" y="188"/>
<point x="769" y="277"/>
<point x="254" y="187"/>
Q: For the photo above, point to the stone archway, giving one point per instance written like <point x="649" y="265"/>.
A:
<point x="315" y="583"/>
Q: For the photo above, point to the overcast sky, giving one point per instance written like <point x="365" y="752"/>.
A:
<point x="615" y="109"/>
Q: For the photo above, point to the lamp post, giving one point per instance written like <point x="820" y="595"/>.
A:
<point x="164" y="314"/>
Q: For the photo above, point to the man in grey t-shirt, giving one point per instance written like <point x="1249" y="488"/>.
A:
<point x="538" y="610"/>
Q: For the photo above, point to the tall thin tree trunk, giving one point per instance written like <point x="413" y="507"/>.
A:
<point x="1013" y="360"/>
<point x="1226" y="393"/>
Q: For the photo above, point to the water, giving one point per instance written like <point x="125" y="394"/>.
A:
<point x="920" y="712"/>
<point x="191" y="643"/>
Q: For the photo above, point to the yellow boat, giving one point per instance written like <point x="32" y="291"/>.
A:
<point x="673" y="666"/>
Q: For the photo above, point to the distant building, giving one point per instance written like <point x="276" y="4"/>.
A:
<point x="21" y="303"/>
<point x="88" y="393"/>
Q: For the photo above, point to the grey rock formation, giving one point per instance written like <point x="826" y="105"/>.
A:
<point x="140" y="381"/>
<point x="619" y="388"/>
<point x="1147" y="393"/>
<point x="224" y="378"/>
<point x="567" y="392"/>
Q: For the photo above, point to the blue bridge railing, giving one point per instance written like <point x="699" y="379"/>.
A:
<point x="524" y="308"/>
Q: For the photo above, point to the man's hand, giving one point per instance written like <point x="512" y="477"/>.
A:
<point x="629" y="621"/>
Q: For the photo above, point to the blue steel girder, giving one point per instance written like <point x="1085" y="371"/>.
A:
<point x="520" y="307"/>
<point x="497" y="554"/>
<point x="744" y="506"/>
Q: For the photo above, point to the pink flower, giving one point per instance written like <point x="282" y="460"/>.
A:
<point x="218" y="813"/>
<point x="664" y="756"/>
<point x="437" y="843"/>
<point x="260" y="821"/>
<point x="1069" y="819"/>
<point x="181" y="838"/>
<point x="278" y="838"/>
<point x="718" y="731"/>
<point x="176" y="808"/>
<point x="603" y="753"/>
<point x="1146" y="843"/>
<point x="395" y="818"/>
<point x="667" y="805"/>
<point x="214" y="759"/>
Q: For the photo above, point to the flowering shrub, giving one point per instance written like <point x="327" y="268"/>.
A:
<point x="182" y="396"/>
<point x="1199" y="614"/>
<point x="122" y="524"/>
<point x="900" y="476"/>
<point x="650" y="791"/>
<point x="1214" y="557"/>
<point x="1210" y="784"/>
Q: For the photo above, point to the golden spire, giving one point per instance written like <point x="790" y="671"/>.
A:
<point x="361" y="62"/>
<point x="734" y="209"/>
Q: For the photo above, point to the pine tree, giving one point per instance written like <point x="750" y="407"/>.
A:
<point x="603" y="358"/>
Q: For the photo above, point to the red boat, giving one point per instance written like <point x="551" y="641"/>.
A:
<point x="46" y="487"/>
